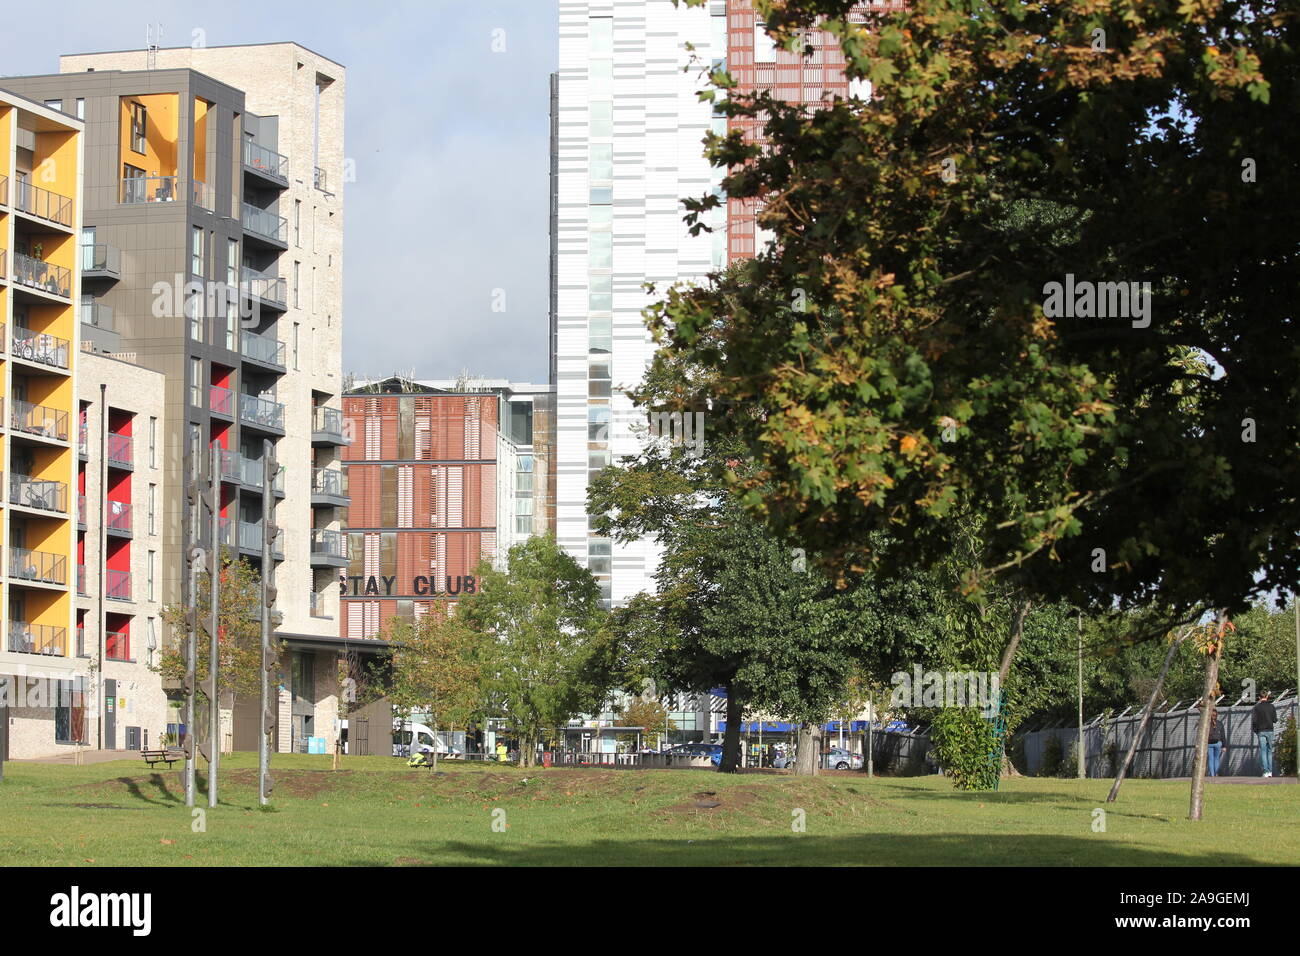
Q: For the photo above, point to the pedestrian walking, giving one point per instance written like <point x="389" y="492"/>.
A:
<point x="1217" y="743"/>
<point x="1263" y="721"/>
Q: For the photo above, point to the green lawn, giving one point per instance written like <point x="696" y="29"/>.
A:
<point x="377" y="811"/>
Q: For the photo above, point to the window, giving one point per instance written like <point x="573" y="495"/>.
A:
<point x="56" y="105"/>
<point x="600" y="296"/>
<point x="153" y="500"/>
<point x="138" y="124"/>
<point x="232" y="264"/>
<point x="297" y="273"/>
<point x="81" y="108"/>
<point x="196" y="252"/>
<point x="295" y="346"/>
<point x="149" y="574"/>
<point x="297" y="222"/>
<point x="601" y="167"/>
<point x="764" y="45"/>
<point x="70" y="711"/>
<point x="232" y="326"/>
<point x="153" y="441"/>
<point x="602" y="36"/>
<point x="194" y="309"/>
<point x="602" y="120"/>
<point x="196" y="382"/>
<point x="601" y="250"/>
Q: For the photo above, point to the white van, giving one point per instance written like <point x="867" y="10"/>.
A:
<point x="404" y="746"/>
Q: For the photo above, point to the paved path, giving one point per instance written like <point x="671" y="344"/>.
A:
<point x="1246" y="780"/>
<point x="87" y="757"/>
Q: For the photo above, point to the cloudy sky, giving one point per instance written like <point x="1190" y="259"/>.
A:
<point x="450" y="141"/>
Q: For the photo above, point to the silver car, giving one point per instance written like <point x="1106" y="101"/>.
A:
<point x="838" y="758"/>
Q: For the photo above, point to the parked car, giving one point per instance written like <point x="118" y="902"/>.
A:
<point x="712" y="751"/>
<point x="837" y="758"/>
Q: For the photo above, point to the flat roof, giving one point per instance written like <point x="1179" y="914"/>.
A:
<point x="215" y="46"/>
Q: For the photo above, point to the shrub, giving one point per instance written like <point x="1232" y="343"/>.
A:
<point x="1053" y="757"/>
<point x="964" y="744"/>
<point x="1286" y="750"/>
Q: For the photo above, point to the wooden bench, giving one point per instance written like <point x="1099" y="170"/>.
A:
<point x="169" y="757"/>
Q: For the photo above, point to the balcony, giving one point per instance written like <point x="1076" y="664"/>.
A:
<point x="42" y="204"/>
<point x="254" y="472"/>
<point x="39" y="566"/>
<point x="319" y="179"/>
<point x="117" y="518"/>
<point x="231" y="466"/>
<point x="97" y="315"/>
<point x="267" y="289"/>
<point x="266" y="225"/>
<point x="38" y="493"/>
<point x="149" y="189"/>
<point x="266" y="162"/>
<point x="3" y="256"/>
<point x="262" y="348"/>
<point x="250" y="538"/>
<point x="121" y="451"/>
<point x="319" y="607"/>
<point x="41" y="275"/>
<point x="328" y="548"/>
<point x="202" y="195"/>
<point x="329" y="486"/>
<point x="81" y="581"/>
<point x="327" y="426"/>
<point x="100" y="261"/>
<point x="117" y="585"/>
<point x="4" y="190"/>
<point x="117" y="646"/>
<point x="40" y="348"/>
<point x="81" y="512"/>
<point x="38" y="420"/>
<point x="261" y="412"/>
<point x="221" y="400"/>
<point x="27" y="638"/>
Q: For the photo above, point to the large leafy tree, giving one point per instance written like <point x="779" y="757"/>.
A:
<point x="895" y="346"/>
<point x="543" y="639"/>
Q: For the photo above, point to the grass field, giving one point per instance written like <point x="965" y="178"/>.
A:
<point x="376" y="811"/>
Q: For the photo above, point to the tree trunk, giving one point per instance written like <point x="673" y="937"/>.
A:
<point x="730" y="762"/>
<point x="1146" y="717"/>
<point x="528" y="749"/>
<point x="805" y="764"/>
<point x="1017" y="629"/>
<point x="1203" y="727"/>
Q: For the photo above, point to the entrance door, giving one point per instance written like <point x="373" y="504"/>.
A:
<point x="110" y="715"/>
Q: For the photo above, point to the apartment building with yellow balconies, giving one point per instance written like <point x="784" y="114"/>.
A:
<point x="48" y="694"/>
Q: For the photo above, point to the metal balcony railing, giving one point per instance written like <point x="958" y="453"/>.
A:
<point x="121" y="449"/>
<point x="329" y="543"/>
<point x="269" y="288"/>
<point x="253" y="472"/>
<point x="142" y="189"/>
<point x="101" y="257"/>
<point x="39" y="493"/>
<point x="27" y="638"/>
<point x="319" y="179"/>
<point x="38" y="420"/>
<point x="262" y="222"/>
<point x="262" y="348"/>
<point x="329" y="481"/>
<point x="221" y="400"/>
<point x="327" y="421"/>
<point x="261" y="411"/>
<point x="42" y="203"/>
<point x="117" y="585"/>
<point x="117" y="646"/>
<point x="118" y="515"/>
<point x="39" y="274"/>
<point x="41" y="566"/>
<point x="266" y="161"/>
<point x="39" y="347"/>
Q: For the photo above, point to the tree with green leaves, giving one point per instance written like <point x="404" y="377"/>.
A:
<point x="928" y="335"/>
<point x="543" y="640"/>
<point x="437" y="667"/>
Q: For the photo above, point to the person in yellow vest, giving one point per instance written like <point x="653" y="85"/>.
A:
<point x="501" y="752"/>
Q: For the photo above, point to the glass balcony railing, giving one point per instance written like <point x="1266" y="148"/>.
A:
<point x="231" y="465"/>
<point x="327" y="421"/>
<point x="319" y="179"/>
<point x="42" y="203"/>
<point x="329" y="481"/>
<point x="39" y="493"/>
<point x="202" y="195"/>
<point x="4" y="190"/>
<point x="99" y="315"/>
<point x="262" y="348"/>
<point x="117" y="585"/>
<point x="81" y="509"/>
<point x="3" y="257"/>
<point x="38" y="420"/>
<point x="261" y="411"/>
<point x="118" y="516"/>
<point x="101" y="258"/>
<point x="318" y="606"/>
<point x="27" y="638"/>
<point x="266" y="161"/>
<point x="121" y="450"/>
<point x="266" y="287"/>
<point x="250" y="537"/>
<point x="328" y="543"/>
<point x="39" y="274"/>
<point x="39" y="347"/>
<point x="253" y="475"/>
<point x="143" y="189"/>
<point x="39" y="566"/>
<point x="221" y="400"/>
<point x="81" y="580"/>
<point x="117" y="646"/>
<point x="262" y="222"/>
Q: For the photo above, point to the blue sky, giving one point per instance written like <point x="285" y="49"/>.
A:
<point x="451" y="150"/>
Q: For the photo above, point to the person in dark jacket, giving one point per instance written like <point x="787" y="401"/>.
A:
<point x="1217" y="745"/>
<point x="1263" y="719"/>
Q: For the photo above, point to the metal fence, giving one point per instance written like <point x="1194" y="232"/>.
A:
<point x="1168" y="747"/>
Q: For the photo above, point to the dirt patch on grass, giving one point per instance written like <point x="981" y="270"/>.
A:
<point x="713" y="801"/>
